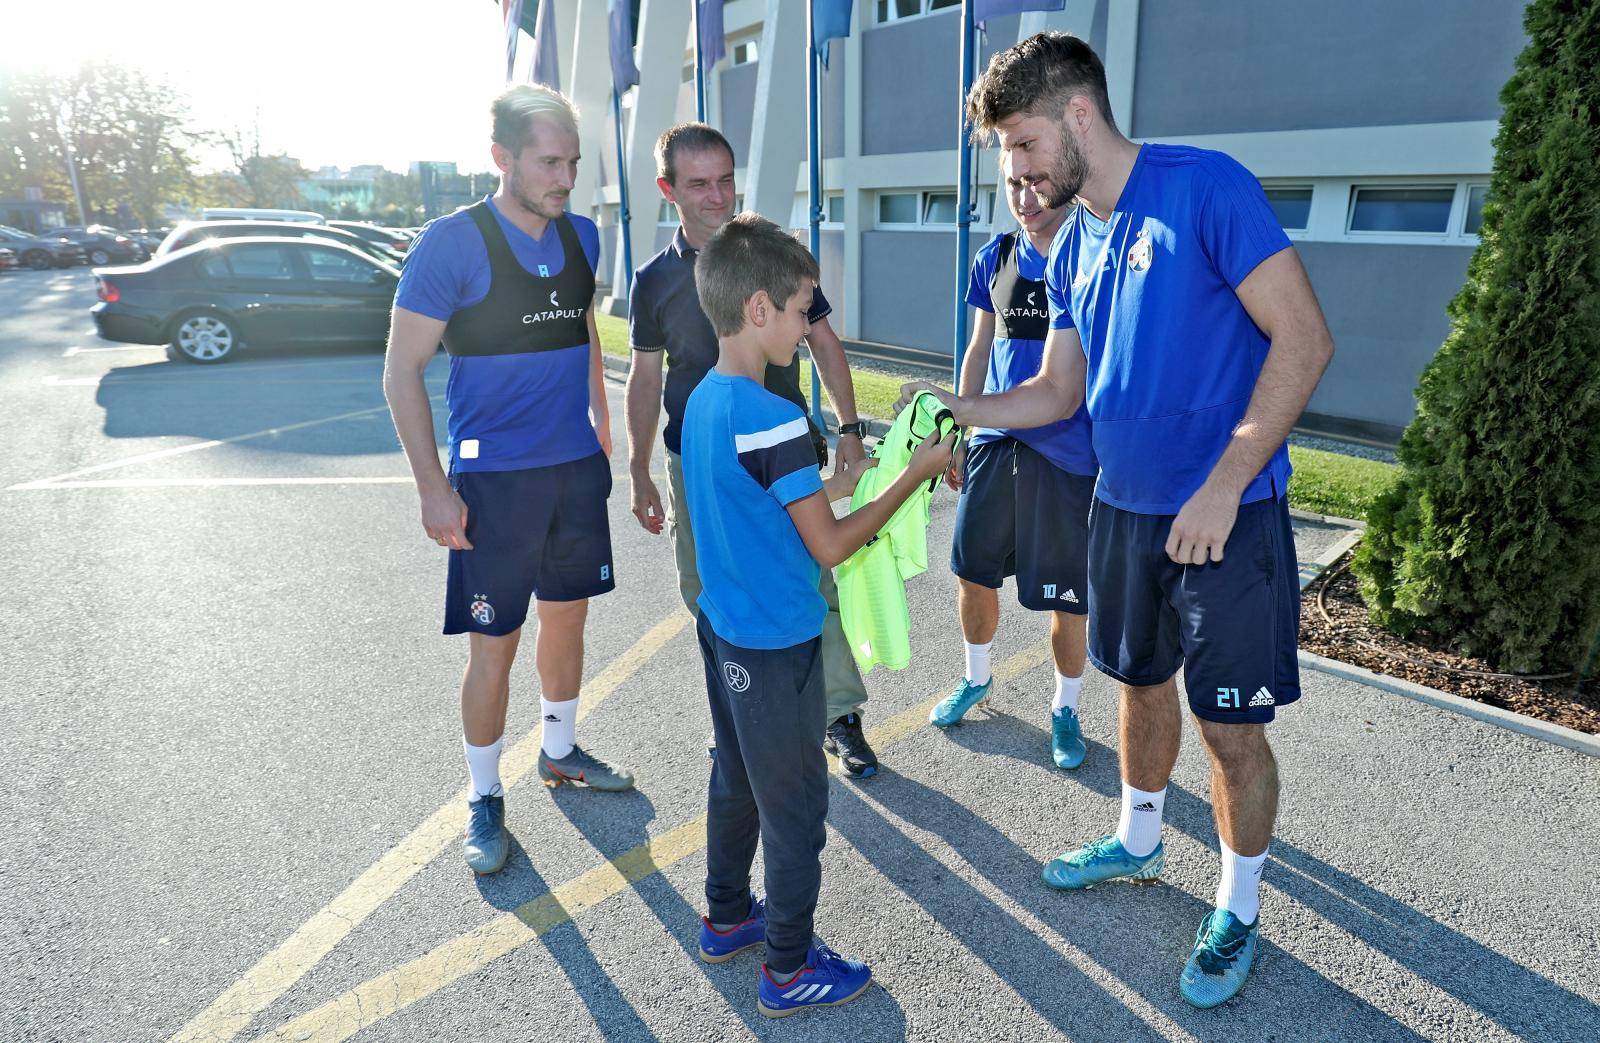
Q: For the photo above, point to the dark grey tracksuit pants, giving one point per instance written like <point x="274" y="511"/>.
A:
<point x="769" y="781"/>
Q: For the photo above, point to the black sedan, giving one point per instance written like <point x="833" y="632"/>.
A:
<point x="209" y="302"/>
<point x="102" y="245"/>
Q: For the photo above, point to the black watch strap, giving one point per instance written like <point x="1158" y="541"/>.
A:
<point x="859" y="429"/>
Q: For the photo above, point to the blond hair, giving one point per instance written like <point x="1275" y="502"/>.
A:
<point x="515" y="109"/>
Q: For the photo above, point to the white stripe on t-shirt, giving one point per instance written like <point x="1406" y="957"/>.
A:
<point x="771" y="436"/>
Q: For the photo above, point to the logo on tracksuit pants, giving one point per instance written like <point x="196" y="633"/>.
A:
<point x="738" y="677"/>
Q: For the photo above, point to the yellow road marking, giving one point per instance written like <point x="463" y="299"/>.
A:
<point x="378" y="998"/>
<point x="276" y="972"/>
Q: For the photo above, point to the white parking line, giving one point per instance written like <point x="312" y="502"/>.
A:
<point x="121" y="347"/>
<point x="161" y="454"/>
<point x="166" y="483"/>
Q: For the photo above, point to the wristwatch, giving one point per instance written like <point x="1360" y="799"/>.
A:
<point x="859" y="429"/>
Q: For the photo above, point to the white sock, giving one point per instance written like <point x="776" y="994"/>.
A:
<point x="978" y="662"/>
<point x="1139" y="829"/>
<point x="560" y="721"/>
<point x="1067" y="689"/>
<point x="483" y="764"/>
<point x="1239" y="890"/>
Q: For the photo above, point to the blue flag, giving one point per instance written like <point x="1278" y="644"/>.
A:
<point x="545" y="69"/>
<point x="983" y="10"/>
<point x="829" y="19"/>
<point x="713" y="44"/>
<point x="624" y="73"/>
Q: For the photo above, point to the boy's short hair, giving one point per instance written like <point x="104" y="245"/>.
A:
<point x="1036" y="77"/>
<point x="746" y="255"/>
<point x="686" y="137"/>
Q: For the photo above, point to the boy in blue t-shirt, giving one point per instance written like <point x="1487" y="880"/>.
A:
<point x="763" y="528"/>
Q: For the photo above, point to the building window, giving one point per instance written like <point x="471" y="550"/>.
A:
<point x="1476" y="194"/>
<point x="1412" y="211"/>
<point x="745" y="52"/>
<point x="667" y="214"/>
<point x="886" y="11"/>
<point x="835" y="214"/>
<point x="1292" y="205"/>
<point x="939" y="208"/>
<point x="898" y="208"/>
<point x="688" y="74"/>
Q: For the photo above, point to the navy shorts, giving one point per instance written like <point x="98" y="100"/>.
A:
<point x="1021" y="515"/>
<point x="1233" y="625"/>
<point x="536" y="533"/>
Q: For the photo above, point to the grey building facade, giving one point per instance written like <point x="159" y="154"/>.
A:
<point x="1369" y="123"/>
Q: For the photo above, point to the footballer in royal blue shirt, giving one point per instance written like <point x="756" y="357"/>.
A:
<point x="1183" y="317"/>
<point x="506" y="285"/>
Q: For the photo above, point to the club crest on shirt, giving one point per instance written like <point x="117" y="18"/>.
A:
<point x="1140" y="255"/>
<point x="482" y="611"/>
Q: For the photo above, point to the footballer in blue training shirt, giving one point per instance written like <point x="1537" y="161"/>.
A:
<point x="506" y="284"/>
<point x="1182" y="315"/>
<point x="1025" y="494"/>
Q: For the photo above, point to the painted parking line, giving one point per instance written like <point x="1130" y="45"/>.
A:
<point x="194" y="447"/>
<point x="206" y="483"/>
<point x="67" y="354"/>
<point x="393" y="991"/>
<point x="276" y="972"/>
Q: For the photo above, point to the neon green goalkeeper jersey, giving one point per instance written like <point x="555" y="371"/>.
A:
<point x="872" y="592"/>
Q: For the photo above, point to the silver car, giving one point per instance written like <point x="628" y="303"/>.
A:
<point x="40" y="253"/>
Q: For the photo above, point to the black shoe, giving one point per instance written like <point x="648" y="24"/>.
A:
<point x="845" y="741"/>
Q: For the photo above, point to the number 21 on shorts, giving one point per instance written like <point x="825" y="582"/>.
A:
<point x="1227" y="698"/>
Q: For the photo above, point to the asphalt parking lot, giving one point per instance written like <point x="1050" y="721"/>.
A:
<point x="235" y="781"/>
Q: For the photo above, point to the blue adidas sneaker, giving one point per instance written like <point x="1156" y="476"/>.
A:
<point x="1066" y="739"/>
<point x="1105" y="859"/>
<point x="720" y="946"/>
<point x="826" y="980"/>
<point x="954" y="706"/>
<point x="1224" y="949"/>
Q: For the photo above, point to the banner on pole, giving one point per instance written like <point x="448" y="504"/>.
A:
<point x="713" y="45"/>
<point x="830" y="19"/>
<point x="624" y="73"/>
<point x="546" y="68"/>
<point x="511" y="17"/>
<point x="983" y="10"/>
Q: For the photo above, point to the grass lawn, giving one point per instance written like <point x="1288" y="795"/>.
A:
<point x="1324" y="483"/>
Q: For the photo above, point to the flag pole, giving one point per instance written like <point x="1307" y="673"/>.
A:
<point x="699" y="65"/>
<point x="622" y="199"/>
<point x="964" y="187"/>
<point x="813" y="161"/>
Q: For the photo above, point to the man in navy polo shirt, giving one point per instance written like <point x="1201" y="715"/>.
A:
<point x="694" y="167"/>
<point x="1025" y="494"/>
<point x="1182" y="314"/>
<point x="506" y="284"/>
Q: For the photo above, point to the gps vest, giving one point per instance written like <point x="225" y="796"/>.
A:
<point x="524" y="312"/>
<point x="1021" y="309"/>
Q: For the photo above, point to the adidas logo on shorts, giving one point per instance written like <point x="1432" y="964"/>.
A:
<point x="1262" y="698"/>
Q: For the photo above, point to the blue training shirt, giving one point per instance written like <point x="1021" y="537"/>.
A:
<point x="747" y="455"/>
<point x="1012" y="360"/>
<point x="1172" y="354"/>
<point x="526" y="409"/>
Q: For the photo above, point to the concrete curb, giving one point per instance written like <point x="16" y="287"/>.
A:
<point x="1510" y="720"/>
<point x="1555" y="734"/>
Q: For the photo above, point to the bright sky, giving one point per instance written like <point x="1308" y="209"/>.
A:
<point x="336" y="82"/>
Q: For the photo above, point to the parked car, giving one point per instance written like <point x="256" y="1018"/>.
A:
<point x="8" y="258"/>
<point x="149" y="238"/>
<point x="211" y="301"/>
<point x="191" y="232"/>
<point x="102" y="244"/>
<point x="393" y="238"/>
<point x="41" y="252"/>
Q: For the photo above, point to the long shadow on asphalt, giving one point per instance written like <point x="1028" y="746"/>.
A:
<point x="736" y="979"/>
<point x="620" y="820"/>
<point x="1520" y="1000"/>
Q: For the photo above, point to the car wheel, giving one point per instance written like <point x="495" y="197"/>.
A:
<point x="99" y="257"/>
<point x="38" y="260"/>
<point x="204" y="337"/>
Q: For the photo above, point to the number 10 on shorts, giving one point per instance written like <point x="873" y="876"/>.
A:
<point x="1227" y="698"/>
